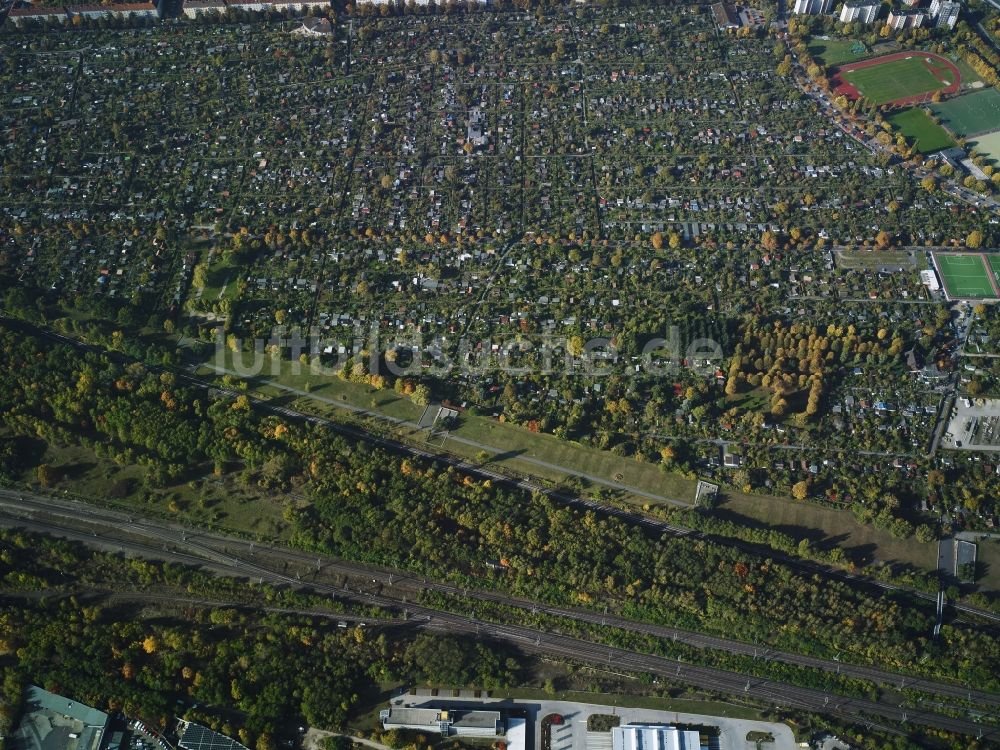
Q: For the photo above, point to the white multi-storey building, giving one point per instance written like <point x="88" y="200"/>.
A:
<point x="946" y="12"/>
<point x="905" y="19"/>
<point x="859" y="11"/>
<point x="812" y="7"/>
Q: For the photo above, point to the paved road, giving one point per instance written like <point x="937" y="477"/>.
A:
<point x="943" y="417"/>
<point x="781" y="446"/>
<point x="233" y="556"/>
<point x="875" y="301"/>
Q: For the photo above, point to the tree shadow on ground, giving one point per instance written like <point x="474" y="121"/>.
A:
<point x="819" y="539"/>
<point x="504" y="456"/>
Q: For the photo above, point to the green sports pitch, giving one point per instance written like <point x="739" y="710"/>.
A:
<point x="972" y="113"/>
<point x="929" y="136"/>
<point x="995" y="266"/>
<point x="897" y="79"/>
<point x="966" y="275"/>
<point x="837" y="51"/>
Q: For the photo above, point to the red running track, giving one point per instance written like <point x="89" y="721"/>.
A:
<point x="990" y="274"/>
<point x="840" y="86"/>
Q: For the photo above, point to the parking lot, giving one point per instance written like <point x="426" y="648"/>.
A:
<point x="974" y="425"/>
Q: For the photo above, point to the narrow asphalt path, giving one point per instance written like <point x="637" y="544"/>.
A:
<point x="314" y="737"/>
<point x="395" y="421"/>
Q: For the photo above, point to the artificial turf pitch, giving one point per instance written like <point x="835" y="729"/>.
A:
<point x="966" y="276"/>
<point x="995" y="266"/>
<point x="971" y="113"/>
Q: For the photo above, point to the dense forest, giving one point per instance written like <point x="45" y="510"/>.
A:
<point x="250" y="674"/>
<point x="368" y="504"/>
<point x="258" y="676"/>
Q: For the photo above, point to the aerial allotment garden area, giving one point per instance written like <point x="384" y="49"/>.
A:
<point x="542" y="179"/>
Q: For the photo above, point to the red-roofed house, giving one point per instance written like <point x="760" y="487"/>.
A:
<point x="19" y="16"/>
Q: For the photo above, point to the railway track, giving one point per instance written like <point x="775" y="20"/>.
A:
<point x="236" y="557"/>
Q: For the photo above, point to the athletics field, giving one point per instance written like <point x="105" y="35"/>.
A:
<point x="900" y="78"/>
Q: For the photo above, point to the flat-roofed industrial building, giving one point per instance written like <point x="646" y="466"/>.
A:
<point x="654" y="737"/>
<point x="458" y="722"/>
<point x="53" y="722"/>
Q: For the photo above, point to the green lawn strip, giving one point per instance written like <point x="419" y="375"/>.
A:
<point x="321" y="387"/>
<point x="222" y="276"/>
<point x="324" y="389"/>
<point x="915" y="124"/>
<point x="222" y="280"/>
<point x="510" y="441"/>
<point x="835" y="51"/>
<point x="874" y="259"/>
<point x="515" y="443"/>
<point x="604" y="464"/>
<point x="988" y="564"/>
<point x="514" y="446"/>
<point x="965" y="70"/>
